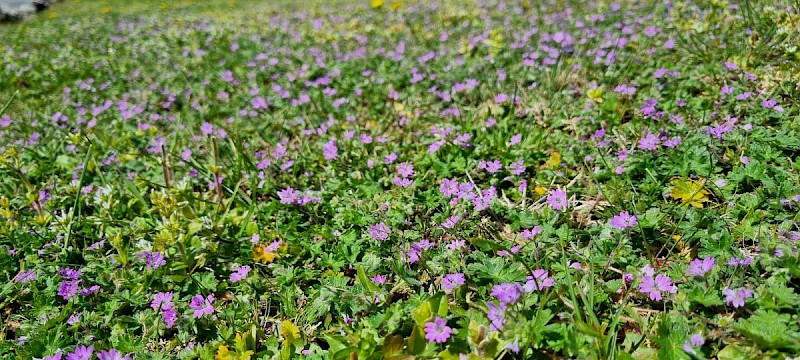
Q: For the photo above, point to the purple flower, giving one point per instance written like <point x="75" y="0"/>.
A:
<point x="153" y="260"/>
<point x="68" y="289"/>
<point x="388" y="159"/>
<point x="517" y="167"/>
<point x="649" y="142"/>
<point x="96" y="245"/>
<point x="528" y="234"/>
<point x="74" y="319"/>
<point x="379" y="279"/>
<point x="207" y="128"/>
<point x="240" y="273"/>
<point x="513" y="250"/>
<point x="53" y="357"/>
<point x="515" y="140"/>
<point x="694" y="340"/>
<point x="538" y="281"/>
<point x="162" y="300"/>
<point x="700" y="267"/>
<point x="25" y="277"/>
<point x="69" y="274"/>
<point x="497" y="315"/>
<point x="379" y="231"/>
<point x="402" y="182"/>
<point x="557" y="199"/>
<point x="91" y="290"/>
<point x="330" y="151"/>
<point x="736" y="297"/>
<point x="673" y="142"/>
<point x="112" y="354"/>
<point x="170" y="316"/>
<point x="455" y="245"/>
<point x="348" y="320"/>
<point x="507" y="293"/>
<point x="493" y="166"/>
<point x="745" y="160"/>
<point x="450" y="281"/>
<point x="81" y="353"/>
<point x="202" y="306"/>
<point x="625" y="89"/>
<point x="259" y="103"/>
<point x="449" y="187"/>
<point x="437" y="331"/>
<point x="451" y="222"/>
<point x="287" y="196"/>
<point x="405" y="170"/>
<point x="735" y="261"/>
<point x="513" y="347"/>
<point x="655" y="286"/>
<point x="623" y="221"/>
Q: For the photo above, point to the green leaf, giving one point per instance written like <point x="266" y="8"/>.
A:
<point x="476" y="333"/>
<point x="362" y="279"/>
<point x="417" y="342"/>
<point x="707" y="298"/>
<point x="769" y="330"/>
<point x="290" y="332"/>
<point x="392" y="345"/>
<point x="650" y="218"/>
<point x="489" y="348"/>
<point x="671" y="334"/>
<point x="287" y="350"/>
<point x="439" y="305"/>
<point x="335" y="343"/>
<point x="344" y="354"/>
<point x="422" y="313"/>
<point x="734" y="352"/>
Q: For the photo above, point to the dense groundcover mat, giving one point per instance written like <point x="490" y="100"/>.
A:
<point x="401" y="180"/>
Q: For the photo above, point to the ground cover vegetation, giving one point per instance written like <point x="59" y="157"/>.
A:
<point x="402" y="180"/>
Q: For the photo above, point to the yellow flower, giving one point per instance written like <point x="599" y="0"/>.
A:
<point x="105" y="9"/>
<point x="377" y="3"/>
<point x="395" y="5"/>
<point x="540" y="190"/>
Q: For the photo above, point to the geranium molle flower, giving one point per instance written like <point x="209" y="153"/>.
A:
<point x="379" y="231"/>
<point x="623" y="221"/>
<point x="557" y="199"/>
<point x="507" y="293"/>
<point x="240" y="273"/>
<point x="450" y="281"/>
<point x="81" y="353"/>
<point x="736" y="297"/>
<point x="538" y="281"/>
<point x="112" y="354"/>
<point x="700" y="267"/>
<point x="437" y="331"/>
<point x="202" y="306"/>
<point x="654" y="286"/>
